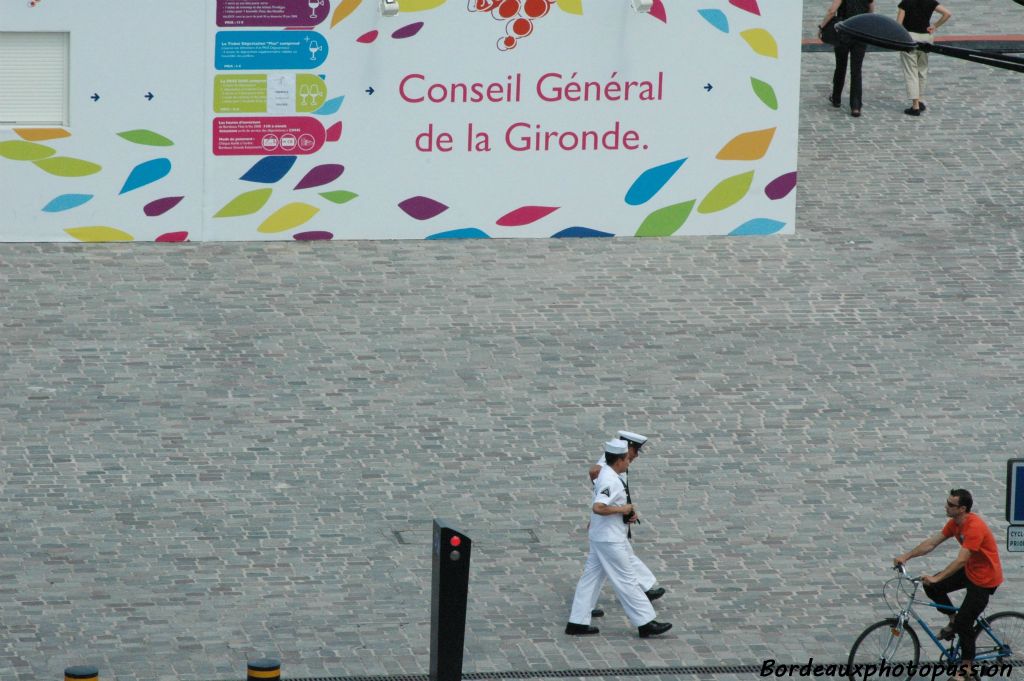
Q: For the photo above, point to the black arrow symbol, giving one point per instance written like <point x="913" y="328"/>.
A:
<point x="95" y="97"/>
<point x="369" y="90"/>
<point x="149" y="96"/>
<point x="708" y="87"/>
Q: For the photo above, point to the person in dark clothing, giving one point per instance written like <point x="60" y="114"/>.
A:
<point x="847" y="51"/>
<point x="916" y="17"/>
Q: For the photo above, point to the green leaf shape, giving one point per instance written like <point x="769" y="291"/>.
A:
<point x="766" y="93"/>
<point x="146" y="137"/>
<point x="666" y="221"/>
<point x="289" y="217"/>
<point x="339" y="196"/>
<point x="726" y="193"/>
<point x="245" y="204"/>
<point x="16" y="150"/>
<point x="64" y="166"/>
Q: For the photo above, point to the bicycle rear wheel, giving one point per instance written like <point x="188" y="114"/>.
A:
<point x="885" y="642"/>
<point x="1008" y="644"/>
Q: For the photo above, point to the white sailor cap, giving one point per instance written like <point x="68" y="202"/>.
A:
<point x="617" y="447"/>
<point x="634" y="438"/>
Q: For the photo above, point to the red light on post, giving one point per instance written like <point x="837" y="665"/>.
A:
<point x="455" y="541"/>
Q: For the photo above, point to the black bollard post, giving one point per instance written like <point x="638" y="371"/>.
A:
<point x="81" y="673"/>
<point x="450" y="586"/>
<point x="263" y="670"/>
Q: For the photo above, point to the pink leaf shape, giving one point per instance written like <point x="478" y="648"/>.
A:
<point x="658" y="11"/>
<point x="368" y="37"/>
<point x="407" y="31"/>
<point x="334" y="132"/>
<point x="313" y="236"/>
<point x="161" y="206"/>
<point x="172" y="237"/>
<point x="525" y="215"/>
<point x="422" y="208"/>
<point x="321" y="175"/>
<point x="781" y="186"/>
<point x="747" y="6"/>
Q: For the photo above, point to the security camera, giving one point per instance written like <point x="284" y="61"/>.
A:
<point x="643" y="6"/>
<point x="389" y="8"/>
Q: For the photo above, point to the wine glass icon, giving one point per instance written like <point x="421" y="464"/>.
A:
<point x="315" y="93"/>
<point x="314" y="47"/>
<point x="304" y="93"/>
<point x="313" y="4"/>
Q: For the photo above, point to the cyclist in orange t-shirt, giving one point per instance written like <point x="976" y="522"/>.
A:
<point x="975" y="568"/>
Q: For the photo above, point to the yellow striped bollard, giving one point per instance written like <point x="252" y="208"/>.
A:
<point x="81" y="673"/>
<point x="263" y="670"/>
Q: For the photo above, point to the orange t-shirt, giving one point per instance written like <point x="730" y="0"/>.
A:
<point x="983" y="567"/>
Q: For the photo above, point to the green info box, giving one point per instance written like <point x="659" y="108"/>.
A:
<point x="283" y="93"/>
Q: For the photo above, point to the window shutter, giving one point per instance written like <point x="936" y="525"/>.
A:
<point x="33" y="78"/>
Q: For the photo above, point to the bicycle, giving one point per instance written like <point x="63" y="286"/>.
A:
<point x="1000" y="637"/>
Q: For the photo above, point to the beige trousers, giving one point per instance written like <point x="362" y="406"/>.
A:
<point x="915" y="66"/>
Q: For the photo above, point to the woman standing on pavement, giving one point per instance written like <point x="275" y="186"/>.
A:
<point x="846" y="50"/>
<point x="916" y="17"/>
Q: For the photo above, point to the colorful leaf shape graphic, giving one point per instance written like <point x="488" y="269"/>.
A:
<point x="467" y="233"/>
<point x="762" y="42"/>
<point x="334" y="132"/>
<point x="422" y="208"/>
<point x="749" y="146"/>
<point x="66" y="202"/>
<point x="288" y="217"/>
<point x="343" y="11"/>
<point x="420" y="5"/>
<point x="146" y="137"/>
<point x="407" y="31"/>
<point x="161" y="206"/>
<point x="651" y="181"/>
<point x="781" y="186"/>
<point x="747" y="6"/>
<point x="570" y="6"/>
<point x="321" y="175"/>
<point x="245" y="204"/>
<point x="765" y="92"/>
<point x="525" y="215"/>
<point x="727" y="193"/>
<point x="339" y="196"/>
<point x="172" y="237"/>
<point x="62" y="166"/>
<point x="758" y="227"/>
<point x="96" y="234"/>
<point x="270" y="169"/>
<point x="16" y="150"/>
<point x="666" y="221"/>
<point x="716" y="18"/>
<point x="368" y="37"/>
<point x="146" y="173"/>
<point x="41" y="134"/>
<point x="579" y="233"/>
<point x="658" y="11"/>
<point x="330" y="107"/>
<point x="313" y="236"/>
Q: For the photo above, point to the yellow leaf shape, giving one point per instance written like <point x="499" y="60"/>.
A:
<point x="342" y="11"/>
<point x="749" y="146"/>
<point x="41" y="134"/>
<point x="571" y="6"/>
<point x="289" y="217"/>
<point x="17" y="150"/>
<point x="62" y="166"/>
<point x="95" y="234"/>
<point x="726" y="193"/>
<point x="419" y="5"/>
<point x="762" y="42"/>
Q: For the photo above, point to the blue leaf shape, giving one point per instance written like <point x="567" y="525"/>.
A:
<point x="269" y="169"/>
<point x="716" y="18"/>
<point x="468" y="233"/>
<point x="330" y="107"/>
<point x="758" y="227"/>
<point x="146" y="173"/>
<point x="66" y="202"/>
<point x="651" y="181"/>
<point x="579" y="233"/>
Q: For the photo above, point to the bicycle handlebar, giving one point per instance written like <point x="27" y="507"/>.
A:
<point x="902" y="569"/>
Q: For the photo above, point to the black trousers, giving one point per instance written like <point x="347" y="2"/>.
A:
<point x="854" y="53"/>
<point x="973" y="605"/>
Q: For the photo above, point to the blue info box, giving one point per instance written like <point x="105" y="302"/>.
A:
<point x="269" y="50"/>
<point x="1015" y="491"/>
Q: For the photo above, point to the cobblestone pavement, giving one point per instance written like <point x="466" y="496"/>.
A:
<point x="218" y="452"/>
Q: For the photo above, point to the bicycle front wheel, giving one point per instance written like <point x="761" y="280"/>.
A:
<point x="887" y="642"/>
<point x="1006" y="642"/>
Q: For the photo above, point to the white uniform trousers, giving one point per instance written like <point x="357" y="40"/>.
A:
<point x="611" y="560"/>
<point x="643" y="575"/>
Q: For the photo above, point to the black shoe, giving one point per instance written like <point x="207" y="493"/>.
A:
<point x="946" y="633"/>
<point x="574" y="629"/>
<point x="912" y="111"/>
<point x="855" y="113"/>
<point x="834" y="101"/>
<point x="597" y="612"/>
<point x="653" y="628"/>
<point x="923" y="106"/>
<point x="654" y="594"/>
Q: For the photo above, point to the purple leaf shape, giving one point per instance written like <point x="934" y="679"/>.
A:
<point x="321" y="175"/>
<point x="161" y="206"/>
<point x="407" y="31"/>
<point x="313" y="236"/>
<point x="422" y="208"/>
<point x="781" y="186"/>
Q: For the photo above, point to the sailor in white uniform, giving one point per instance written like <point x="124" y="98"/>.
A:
<point x="609" y="555"/>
